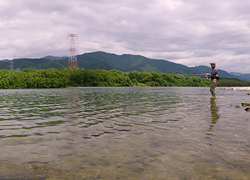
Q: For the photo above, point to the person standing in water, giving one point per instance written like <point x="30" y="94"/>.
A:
<point x="214" y="79"/>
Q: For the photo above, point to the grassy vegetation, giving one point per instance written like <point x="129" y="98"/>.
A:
<point x="57" y="78"/>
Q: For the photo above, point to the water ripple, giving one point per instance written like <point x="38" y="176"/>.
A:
<point x="52" y="127"/>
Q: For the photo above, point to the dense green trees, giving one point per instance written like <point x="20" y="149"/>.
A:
<point x="57" y="78"/>
<point x="164" y="79"/>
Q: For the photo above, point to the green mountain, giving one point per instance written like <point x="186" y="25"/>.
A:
<point x="236" y="73"/>
<point x="241" y="76"/>
<point x="245" y="76"/>
<point x="108" y="61"/>
<point x="127" y="63"/>
<point x="206" y="69"/>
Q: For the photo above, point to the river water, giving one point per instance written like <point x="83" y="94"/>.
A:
<point x="124" y="133"/>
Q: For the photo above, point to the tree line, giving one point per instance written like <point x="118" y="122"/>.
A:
<point x="58" y="78"/>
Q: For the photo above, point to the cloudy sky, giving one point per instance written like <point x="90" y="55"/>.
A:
<point x="190" y="32"/>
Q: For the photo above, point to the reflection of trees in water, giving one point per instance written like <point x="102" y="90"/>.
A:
<point x="214" y="116"/>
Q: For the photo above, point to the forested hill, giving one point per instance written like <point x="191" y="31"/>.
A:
<point x="107" y="61"/>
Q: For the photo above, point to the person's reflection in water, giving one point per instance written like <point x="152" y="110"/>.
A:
<point x="214" y="116"/>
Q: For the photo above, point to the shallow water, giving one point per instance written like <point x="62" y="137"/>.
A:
<point x="124" y="133"/>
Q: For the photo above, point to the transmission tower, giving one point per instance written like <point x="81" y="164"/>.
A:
<point x="72" y="61"/>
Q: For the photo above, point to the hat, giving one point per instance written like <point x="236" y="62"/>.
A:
<point x="212" y="63"/>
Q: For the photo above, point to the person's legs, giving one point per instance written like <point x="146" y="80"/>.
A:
<point x="213" y="87"/>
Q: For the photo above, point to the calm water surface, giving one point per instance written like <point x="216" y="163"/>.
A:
<point x="124" y="133"/>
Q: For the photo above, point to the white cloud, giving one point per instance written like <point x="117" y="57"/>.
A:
<point x="190" y="32"/>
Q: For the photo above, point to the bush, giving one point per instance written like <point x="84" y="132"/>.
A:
<point x="57" y="78"/>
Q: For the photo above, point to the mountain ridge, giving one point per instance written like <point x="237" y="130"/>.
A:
<point x="108" y="61"/>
